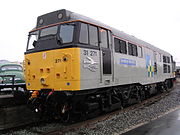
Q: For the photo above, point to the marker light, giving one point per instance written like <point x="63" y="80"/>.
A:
<point x="60" y="16"/>
<point x="41" y="21"/>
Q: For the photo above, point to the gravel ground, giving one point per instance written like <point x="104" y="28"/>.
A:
<point x="125" y="121"/>
<point x="117" y="124"/>
<point x="36" y="130"/>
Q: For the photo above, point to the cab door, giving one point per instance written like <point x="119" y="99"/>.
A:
<point x="105" y="56"/>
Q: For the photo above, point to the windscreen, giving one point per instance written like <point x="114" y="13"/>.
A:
<point x="33" y="37"/>
<point x="51" y="37"/>
<point x="66" y="33"/>
<point x="49" y="31"/>
<point x="11" y="68"/>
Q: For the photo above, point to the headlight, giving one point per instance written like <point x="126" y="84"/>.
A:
<point x="16" y="79"/>
<point x="41" y="21"/>
<point x="42" y="80"/>
<point x="60" y="16"/>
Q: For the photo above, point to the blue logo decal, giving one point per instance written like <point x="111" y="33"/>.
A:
<point x="127" y="62"/>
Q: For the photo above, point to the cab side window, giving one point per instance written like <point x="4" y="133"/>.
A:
<point x="83" y="34"/>
<point x="88" y="34"/>
<point x="130" y="50"/>
<point x="93" y="35"/>
<point x="103" y="37"/>
<point x="66" y="33"/>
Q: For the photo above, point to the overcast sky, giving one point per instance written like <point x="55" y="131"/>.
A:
<point x="154" y="21"/>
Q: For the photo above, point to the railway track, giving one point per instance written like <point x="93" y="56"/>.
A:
<point x="62" y="129"/>
<point x="90" y="123"/>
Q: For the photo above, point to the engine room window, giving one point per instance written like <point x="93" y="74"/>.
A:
<point x="83" y="33"/>
<point x="104" y="38"/>
<point x="164" y="59"/>
<point x="165" y="68"/>
<point x="171" y="59"/>
<point x="135" y="53"/>
<point x="140" y="52"/>
<point x="169" y="69"/>
<point x="123" y="48"/>
<point x="93" y="35"/>
<point x="159" y="57"/>
<point x="66" y="33"/>
<point x="116" y="45"/>
<point x="120" y="46"/>
<point x="132" y="49"/>
<point x="168" y="59"/>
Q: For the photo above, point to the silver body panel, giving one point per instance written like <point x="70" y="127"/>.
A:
<point x="126" y="69"/>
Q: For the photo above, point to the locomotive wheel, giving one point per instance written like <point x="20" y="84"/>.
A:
<point x="62" y="115"/>
<point x="65" y="117"/>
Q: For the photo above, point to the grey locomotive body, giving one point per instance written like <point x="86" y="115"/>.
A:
<point x="116" y="69"/>
<point x="124" y="60"/>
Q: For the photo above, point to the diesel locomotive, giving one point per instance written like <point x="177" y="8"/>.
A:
<point x="76" y="65"/>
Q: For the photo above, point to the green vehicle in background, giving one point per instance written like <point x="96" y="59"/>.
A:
<point x="7" y="70"/>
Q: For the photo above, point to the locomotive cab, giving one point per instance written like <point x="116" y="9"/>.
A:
<point x="51" y="60"/>
<point x="63" y="51"/>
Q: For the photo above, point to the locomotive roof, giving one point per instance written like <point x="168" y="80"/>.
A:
<point x="65" y="15"/>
